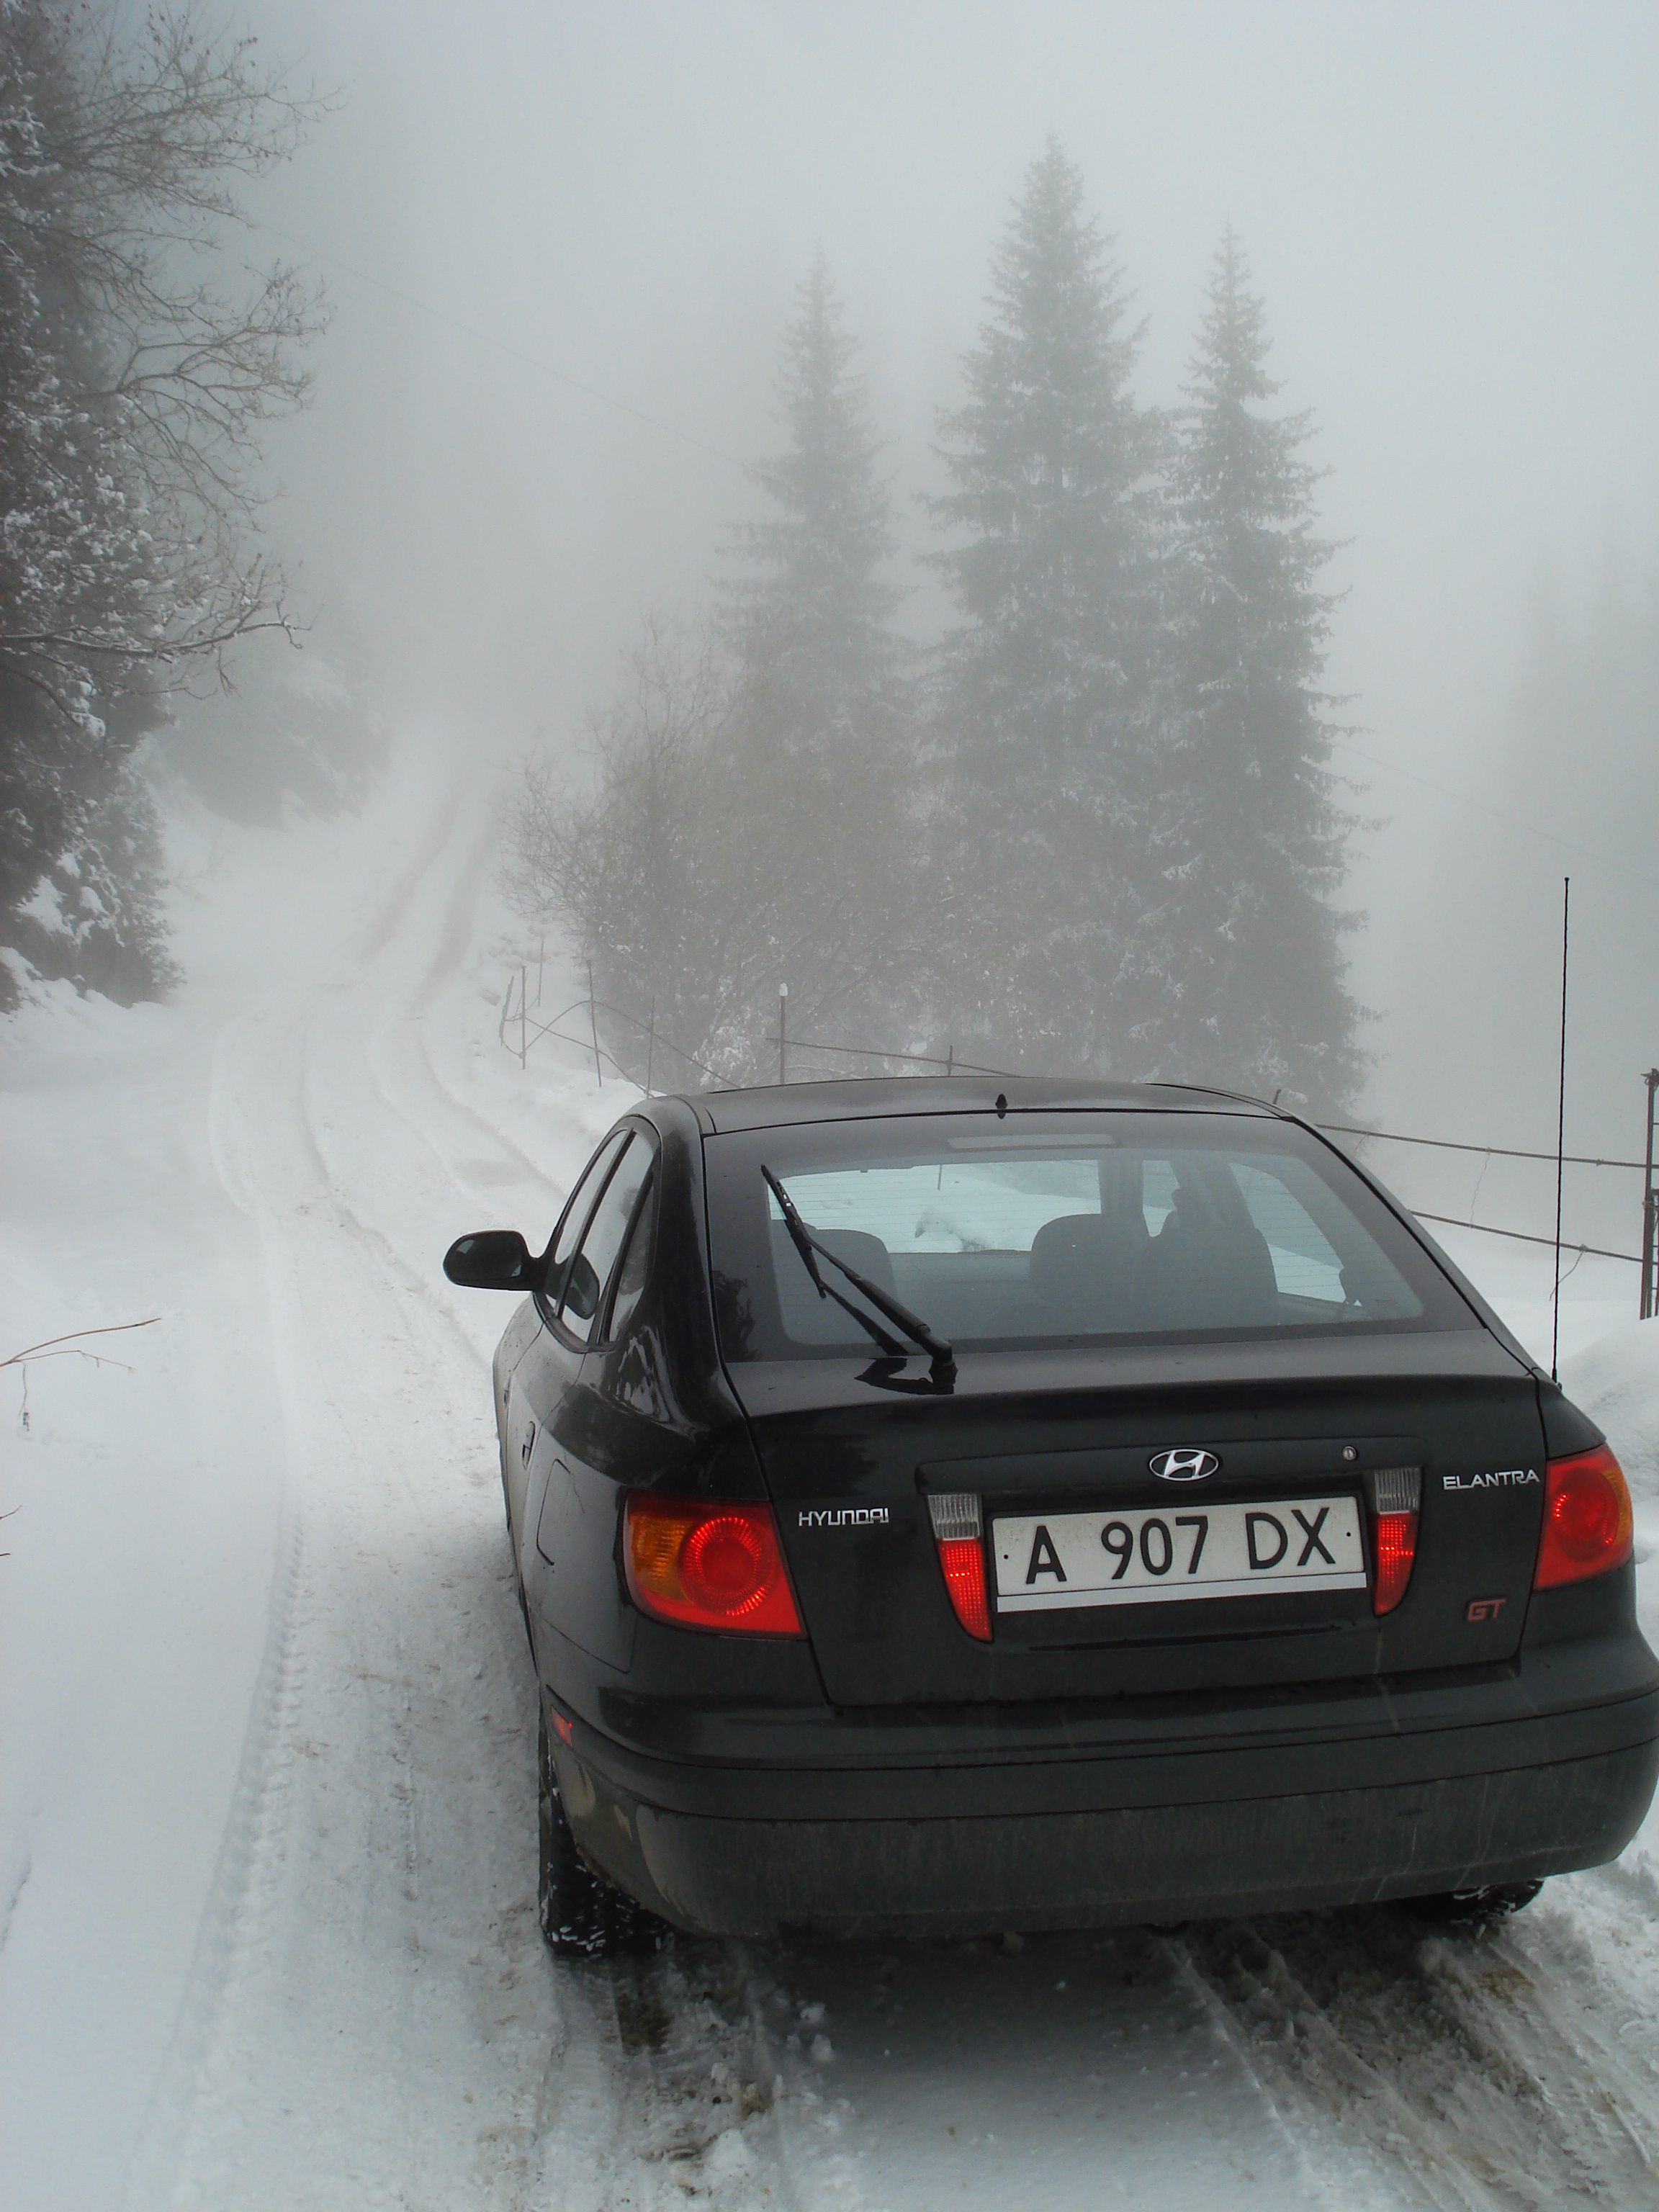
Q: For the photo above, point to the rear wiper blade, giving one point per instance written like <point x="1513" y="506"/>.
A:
<point x="943" y="1358"/>
<point x="802" y="1240"/>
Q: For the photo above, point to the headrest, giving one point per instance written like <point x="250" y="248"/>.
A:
<point x="1077" y="1255"/>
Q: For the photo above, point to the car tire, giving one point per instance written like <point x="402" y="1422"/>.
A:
<point x="1474" y="1908"/>
<point x="583" y="1916"/>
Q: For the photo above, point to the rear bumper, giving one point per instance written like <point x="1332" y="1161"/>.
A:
<point x="1102" y="1837"/>
<point x="960" y="1876"/>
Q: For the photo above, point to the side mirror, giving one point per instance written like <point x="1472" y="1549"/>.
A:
<point x="493" y="1259"/>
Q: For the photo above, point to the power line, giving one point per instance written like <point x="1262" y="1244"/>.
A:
<point x="914" y="1058"/>
<point x="1490" y="1152"/>
<point x="1521" y="1236"/>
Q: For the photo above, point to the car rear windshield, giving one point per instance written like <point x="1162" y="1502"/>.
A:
<point x="1060" y="1227"/>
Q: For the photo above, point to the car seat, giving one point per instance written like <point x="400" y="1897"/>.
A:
<point x="1207" y="1271"/>
<point x="1089" y="1271"/>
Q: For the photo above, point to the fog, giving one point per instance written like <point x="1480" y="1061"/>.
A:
<point x="542" y="227"/>
<point x="258" y="1616"/>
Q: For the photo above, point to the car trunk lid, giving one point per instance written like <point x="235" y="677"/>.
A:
<point x="1063" y="1441"/>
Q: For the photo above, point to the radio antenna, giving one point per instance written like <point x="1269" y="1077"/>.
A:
<point x="1560" y="1137"/>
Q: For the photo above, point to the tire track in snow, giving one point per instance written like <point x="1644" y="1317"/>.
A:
<point x="663" y="2087"/>
<point x="1054" y="2072"/>
<point x="374" y="1963"/>
<point x="365" y="1885"/>
<point x="157" y="2153"/>
<point x="220" y="1939"/>
<point x="419" y="1059"/>
<point x="413" y="1281"/>
<point x="1485" y="2071"/>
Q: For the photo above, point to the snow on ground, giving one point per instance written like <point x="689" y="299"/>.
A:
<point x="267" y="1935"/>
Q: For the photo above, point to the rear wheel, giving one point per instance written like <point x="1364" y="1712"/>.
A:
<point x="583" y="1916"/>
<point x="1474" y="1908"/>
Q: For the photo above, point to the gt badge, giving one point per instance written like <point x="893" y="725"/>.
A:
<point x="1184" y="1466"/>
<point x="1484" y="1609"/>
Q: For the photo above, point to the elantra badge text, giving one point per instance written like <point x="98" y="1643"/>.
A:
<point x="1182" y="1466"/>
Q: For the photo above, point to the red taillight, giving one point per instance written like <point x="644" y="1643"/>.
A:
<point x="710" y="1566"/>
<point x="1396" y="1550"/>
<point x="956" y="1518"/>
<point x="1588" y="1528"/>
<point x="1398" y="1493"/>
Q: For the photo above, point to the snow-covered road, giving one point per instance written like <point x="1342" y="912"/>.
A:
<point x="267" y="1804"/>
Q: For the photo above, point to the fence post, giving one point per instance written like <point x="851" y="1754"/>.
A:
<point x="593" y="1023"/>
<point x="950" y="1059"/>
<point x="783" y="1033"/>
<point x="524" y="1021"/>
<point x="541" y="962"/>
<point x="1651" y="1079"/>
<point x="651" y="1047"/>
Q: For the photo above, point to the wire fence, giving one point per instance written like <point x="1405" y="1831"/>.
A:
<point x="532" y="1029"/>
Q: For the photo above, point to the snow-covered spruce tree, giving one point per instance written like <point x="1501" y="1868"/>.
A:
<point x="1238" y="957"/>
<point x="824" y="720"/>
<point x="748" y="821"/>
<point x="1039" y="714"/>
<point x="814" y="609"/>
<point x="134" y="385"/>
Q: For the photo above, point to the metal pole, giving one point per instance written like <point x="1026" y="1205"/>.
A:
<point x="524" y="1020"/>
<point x="541" y="962"/>
<point x="651" y="1048"/>
<point x="783" y="1033"/>
<point x="1651" y="1079"/>
<point x="593" y="1023"/>
<point x="950" y="1059"/>
<point x="507" y="1008"/>
<point x="1561" y="1140"/>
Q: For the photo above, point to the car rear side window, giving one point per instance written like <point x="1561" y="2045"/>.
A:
<point x="1061" y="1227"/>
<point x="576" y="1215"/>
<point x="636" y="1266"/>
<point x="590" y="1271"/>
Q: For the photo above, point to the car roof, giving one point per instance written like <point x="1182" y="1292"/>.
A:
<point x="778" y="1105"/>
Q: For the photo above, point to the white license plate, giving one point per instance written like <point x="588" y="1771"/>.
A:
<point x="1155" y="1555"/>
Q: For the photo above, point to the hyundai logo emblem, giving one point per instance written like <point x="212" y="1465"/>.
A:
<point x="1184" y="1466"/>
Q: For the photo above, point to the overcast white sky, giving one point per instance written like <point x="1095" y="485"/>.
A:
<point x="1453" y="212"/>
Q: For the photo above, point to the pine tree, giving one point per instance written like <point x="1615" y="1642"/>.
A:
<point x="1044" y="681"/>
<point x="817" y="615"/>
<point x="822" y="726"/>
<point x="1239" y="960"/>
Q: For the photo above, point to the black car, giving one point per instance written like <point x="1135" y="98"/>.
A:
<point x="941" y="1507"/>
